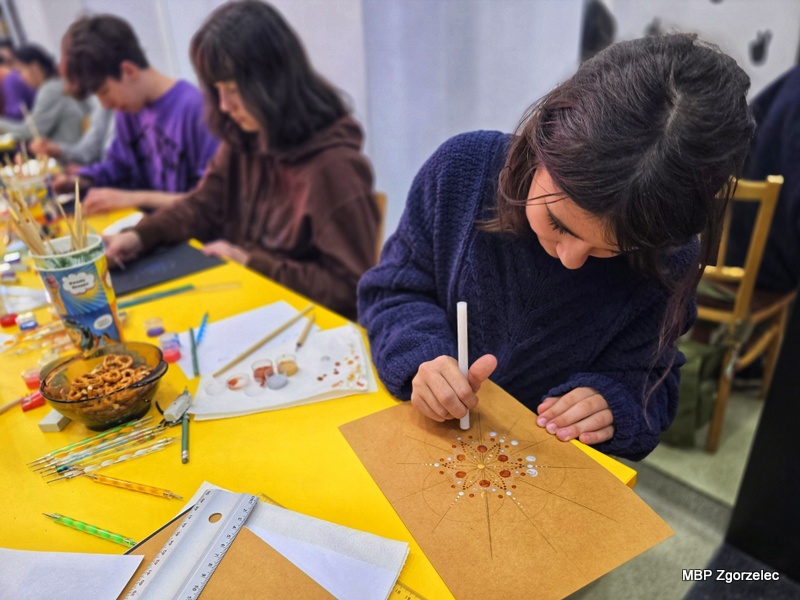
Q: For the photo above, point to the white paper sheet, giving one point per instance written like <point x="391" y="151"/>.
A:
<point x="332" y="363"/>
<point x="347" y="562"/>
<point x="19" y="299"/>
<point x="27" y="575"/>
<point x="118" y="226"/>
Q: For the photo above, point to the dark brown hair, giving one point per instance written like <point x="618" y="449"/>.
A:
<point x="250" y="43"/>
<point x="645" y="136"/>
<point x="94" y="49"/>
<point x="31" y="54"/>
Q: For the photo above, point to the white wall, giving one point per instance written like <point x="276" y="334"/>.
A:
<point x="165" y="28"/>
<point x="443" y="67"/>
<point x="420" y="71"/>
<point x="731" y="24"/>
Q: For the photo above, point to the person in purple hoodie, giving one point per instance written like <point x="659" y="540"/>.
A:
<point x="14" y="92"/>
<point x="162" y="144"/>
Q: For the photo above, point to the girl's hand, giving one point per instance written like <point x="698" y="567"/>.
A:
<point x="122" y="246"/>
<point x="106" y="199"/>
<point x="581" y="413"/>
<point x="441" y="392"/>
<point x="224" y="249"/>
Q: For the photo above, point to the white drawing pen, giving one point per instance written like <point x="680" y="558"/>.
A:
<point x="463" y="354"/>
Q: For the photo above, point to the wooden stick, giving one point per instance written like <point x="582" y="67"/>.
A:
<point x="29" y="121"/>
<point x="79" y="234"/>
<point x="264" y="340"/>
<point x="27" y="227"/>
<point x="302" y="339"/>
<point x="10" y="405"/>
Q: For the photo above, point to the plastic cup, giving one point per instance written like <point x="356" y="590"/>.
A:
<point x="31" y="378"/>
<point x="79" y="287"/>
<point x="287" y="364"/>
<point x="262" y="369"/>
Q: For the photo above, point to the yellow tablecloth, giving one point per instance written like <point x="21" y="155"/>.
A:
<point x="296" y="456"/>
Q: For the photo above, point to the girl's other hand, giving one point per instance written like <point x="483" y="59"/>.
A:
<point x="581" y="414"/>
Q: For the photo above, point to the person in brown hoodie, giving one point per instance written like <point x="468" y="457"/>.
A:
<point x="288" y="193"/>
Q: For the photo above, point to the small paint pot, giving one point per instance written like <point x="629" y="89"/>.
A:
<point x="277" y="381"/>
<point x="31" y="378"/>
<point x="287" y="364"/>
<point x="237" y="382"/>
<point x="154" y="326"/>
<point x="9" y="278"/>
<point x="262" y="369"/>
<point x="169" y="340"/>
<point x="8" y="320"/>
<point x="27" y="321"/>
<point x="171" y="355"/>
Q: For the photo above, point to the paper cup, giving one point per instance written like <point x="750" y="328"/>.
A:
<point x="79" y="286"/>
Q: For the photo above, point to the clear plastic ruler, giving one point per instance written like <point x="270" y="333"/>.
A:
<point x="185" y="563"/>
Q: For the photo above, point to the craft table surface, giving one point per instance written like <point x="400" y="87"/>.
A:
<point x="296" y="456"/>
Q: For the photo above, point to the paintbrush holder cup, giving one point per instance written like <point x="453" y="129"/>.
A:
<point x="78" y="285"/>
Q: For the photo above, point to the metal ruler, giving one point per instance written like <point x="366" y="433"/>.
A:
<point x="185" y="563"/>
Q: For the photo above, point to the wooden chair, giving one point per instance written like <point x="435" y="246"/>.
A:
<point x="754" y="320"/>
<point x="380" y="200"/>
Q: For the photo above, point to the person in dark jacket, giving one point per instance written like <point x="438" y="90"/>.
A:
<point x="574" y="243"/>
<point x="775" y="150"/>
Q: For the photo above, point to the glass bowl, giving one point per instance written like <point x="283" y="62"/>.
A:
<point x="74" y="388"/>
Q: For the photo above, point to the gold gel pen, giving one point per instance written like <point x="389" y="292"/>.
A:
<point x="135" y="487"/>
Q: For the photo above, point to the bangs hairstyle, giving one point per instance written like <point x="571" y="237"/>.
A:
<point x="646" y="136"/>
<point x="251" y="44"/>
<point x="94" y="49"/>
<point x="29" y="55"/>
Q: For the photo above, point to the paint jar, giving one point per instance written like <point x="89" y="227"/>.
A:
<point x="287" y="364"/>
<point x="12" y="257"/>
<point x="169" y="340"/>
<point x="170" y="346"/>
<point x="27" y="321"/>
<point x="171" y="355"/>
<point x="277" y="381"/>
<point x="154" y="326"/>
<point x="238" y="381"/>
<point x="31" y="378"/>
<point x="8" y="320"/>
<point x="262" y="369"/>
<point x="9" y="278"/>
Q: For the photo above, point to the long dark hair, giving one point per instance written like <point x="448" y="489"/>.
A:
<point x="94" y="49"/>
<point x="646" y="136"/>
<point x="36" y="54"/>
<point x="250" y="43"/>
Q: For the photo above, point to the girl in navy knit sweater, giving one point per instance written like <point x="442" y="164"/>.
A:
<point x="577" y="243"/>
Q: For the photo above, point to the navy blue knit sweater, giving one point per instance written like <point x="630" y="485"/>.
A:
<point x="552" y="329"/>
